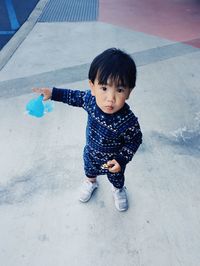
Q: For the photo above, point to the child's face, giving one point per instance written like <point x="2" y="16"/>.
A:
<point x="109" y="98"/>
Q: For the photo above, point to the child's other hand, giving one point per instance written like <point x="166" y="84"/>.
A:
<point x="114" y="166"/>
<point x="47" y="92"/>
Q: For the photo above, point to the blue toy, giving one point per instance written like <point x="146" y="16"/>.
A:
<point x="36" y="107"/>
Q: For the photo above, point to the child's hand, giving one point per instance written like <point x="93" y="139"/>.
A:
<point x="47" y="92"/>
<point x="113" y="166"/>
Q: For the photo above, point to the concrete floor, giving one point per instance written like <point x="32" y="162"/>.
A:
<point x="42" y="222"/>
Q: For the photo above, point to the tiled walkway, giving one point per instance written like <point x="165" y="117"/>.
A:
<point x="170" y="19"/>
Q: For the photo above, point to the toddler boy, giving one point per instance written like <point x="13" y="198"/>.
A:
<point x="113" y="133"/>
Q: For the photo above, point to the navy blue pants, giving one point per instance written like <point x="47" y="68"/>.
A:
<point x="92" y="165"/>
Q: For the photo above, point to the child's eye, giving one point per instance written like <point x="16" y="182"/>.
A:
<point x="120" y="90"/>
<point x="103" y="88"/>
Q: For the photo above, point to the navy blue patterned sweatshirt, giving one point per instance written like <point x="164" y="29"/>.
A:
<point x="116" y="135"/>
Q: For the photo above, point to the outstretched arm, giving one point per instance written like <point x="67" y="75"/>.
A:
<point x="72" y="97"/>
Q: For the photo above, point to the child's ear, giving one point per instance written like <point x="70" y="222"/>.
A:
<point x="91" y="84"/>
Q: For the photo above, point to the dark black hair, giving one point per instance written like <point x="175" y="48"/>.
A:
<point x="114" y="65"/>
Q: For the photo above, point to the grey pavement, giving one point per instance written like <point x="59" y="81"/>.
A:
<point x="42" y="223"/>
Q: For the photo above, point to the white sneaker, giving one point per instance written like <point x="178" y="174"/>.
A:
<point x="87" y="190"/>
<point x="120" y="198"/>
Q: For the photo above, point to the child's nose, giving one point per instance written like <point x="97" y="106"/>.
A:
<point x="111" y="97"/>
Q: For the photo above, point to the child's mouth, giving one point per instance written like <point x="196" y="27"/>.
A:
<point x="109" y="108"/>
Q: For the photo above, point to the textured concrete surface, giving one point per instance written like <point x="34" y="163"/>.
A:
<point x="42" y="221"/>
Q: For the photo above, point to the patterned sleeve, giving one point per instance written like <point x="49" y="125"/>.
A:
<point x="132" y="140"/>
<point x="72" y="97"/>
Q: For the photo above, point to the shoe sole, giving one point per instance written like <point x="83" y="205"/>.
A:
<point x="121" y="210"/>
